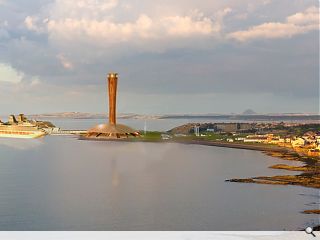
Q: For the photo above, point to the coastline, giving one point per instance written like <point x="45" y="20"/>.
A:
<point x="255" y="147"/>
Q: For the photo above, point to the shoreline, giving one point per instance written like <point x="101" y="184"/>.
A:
<point x="253" y="147"/>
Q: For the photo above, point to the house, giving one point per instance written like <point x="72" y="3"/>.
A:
<point x="298" y="142"/>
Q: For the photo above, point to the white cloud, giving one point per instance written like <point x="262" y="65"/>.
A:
<point x="9" y="75"/>
<point x="67" y="64"/>
<point x="299" y="23"/>
<point x="105" y="24"/>
<point x="35" y="24"/>
<point x="185" y="26"/>
<point x="309" y="16"/>
<point x="143" y="28"/>
<point x="30" y="23"/>
<point x="13" y="81"/>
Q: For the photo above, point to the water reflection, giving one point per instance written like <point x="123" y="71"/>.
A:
<point x="115" y="174"/>
<point x="21" y="144"/>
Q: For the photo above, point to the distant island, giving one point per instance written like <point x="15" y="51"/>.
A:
<point x="83" y="115"/>
<point x="248" y="115"/>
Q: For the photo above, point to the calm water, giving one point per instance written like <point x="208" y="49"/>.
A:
<point x="61" y="183"/>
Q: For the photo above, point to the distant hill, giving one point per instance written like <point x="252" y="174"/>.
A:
<point x="249" y="112"/>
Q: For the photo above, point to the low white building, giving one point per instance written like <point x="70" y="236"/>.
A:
<point x="240" y="139"/>
<point x="256" y="139"/>
<point x="298" y="142"/>
<point x="165" y="137"/>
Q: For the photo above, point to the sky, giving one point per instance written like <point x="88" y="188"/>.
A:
<point x="182" y="56"/>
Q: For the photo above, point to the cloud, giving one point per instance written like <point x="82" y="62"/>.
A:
<point x="31" y="24"/>
<point x="180" y="48"/>
<point x="67" y="64"/>
<point x="299" y="23"/>
<point x="105" y="24"/>
<point x="35" y="81"/>
<point x="4" y="34"/>
<point x="93" y="4"/>
<point x="9" y="74"/>
<point x="308" y="17"/>
<point x="143" y="28"/>
<point x="185" y="26"/>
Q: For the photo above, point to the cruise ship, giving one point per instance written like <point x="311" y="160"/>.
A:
<point x="22" y="128"/>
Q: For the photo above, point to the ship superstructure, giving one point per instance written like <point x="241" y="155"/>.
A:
<point x="21" y="128"/>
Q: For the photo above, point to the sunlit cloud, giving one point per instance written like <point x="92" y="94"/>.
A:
<point x="299" y="23"/>
<point x="91" y="23"/>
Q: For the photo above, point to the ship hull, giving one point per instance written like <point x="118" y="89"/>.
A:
<point x="24" y="135"/>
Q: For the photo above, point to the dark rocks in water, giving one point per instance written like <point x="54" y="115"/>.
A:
<point x="313" y="211"/>
<point x="305" y="168"/>
<point x="244" y="180"/>
<point x="306" y="180"/>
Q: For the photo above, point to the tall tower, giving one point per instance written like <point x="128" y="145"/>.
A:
<point x="112" y="129"/>
<point x="112" y="86"/>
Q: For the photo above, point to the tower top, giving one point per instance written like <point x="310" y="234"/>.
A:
<point x="112" y="75"/>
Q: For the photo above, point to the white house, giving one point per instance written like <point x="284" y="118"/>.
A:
<point x="298" y="142"/>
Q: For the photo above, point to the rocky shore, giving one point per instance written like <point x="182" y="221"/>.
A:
<point x="309" y="176"/>
<point x="305" y="180"/>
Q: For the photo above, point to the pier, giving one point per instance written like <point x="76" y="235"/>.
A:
<point x="62" y="132"/>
